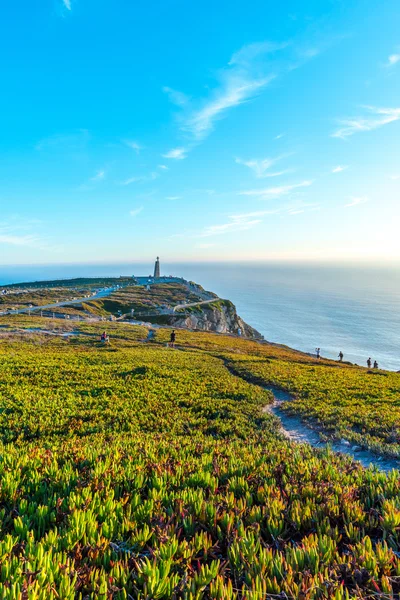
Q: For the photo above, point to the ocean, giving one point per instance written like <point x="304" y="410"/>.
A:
<point x="352" y="309"/>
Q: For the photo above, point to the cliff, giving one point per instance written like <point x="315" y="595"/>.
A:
<point x="219" y="316"/>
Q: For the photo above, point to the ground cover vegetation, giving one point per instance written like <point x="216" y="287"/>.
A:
<point x="342" y="400"/>
<point x="122" y="301"/>
<point x="131" y="470"/>
<point x="145" y="301"/>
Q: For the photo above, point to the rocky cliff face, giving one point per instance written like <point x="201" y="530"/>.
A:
<point x="220" y="316"/>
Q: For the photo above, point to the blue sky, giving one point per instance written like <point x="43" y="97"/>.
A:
<point x="199" y="131"/>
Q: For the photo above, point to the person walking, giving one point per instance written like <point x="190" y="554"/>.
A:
<point x="369" y="363"/>
<point x="318" y="352"/>
<point x="340" y="356"/>
<point x="172" y="339"/>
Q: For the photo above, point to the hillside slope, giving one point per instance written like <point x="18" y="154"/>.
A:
<point x="132" y="470"/>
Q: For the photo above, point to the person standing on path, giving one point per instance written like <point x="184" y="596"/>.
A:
<point x="172" y="339"/>
<point x="318" y="351"/>
<point x="369" y="363"/>
<point x="340" y="356"/>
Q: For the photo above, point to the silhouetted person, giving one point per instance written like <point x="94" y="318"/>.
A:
<point x="376" y="366"/>
<point x="318" y="351"/>
<point x="340" y="356"/>
<point x="369" y="363"/>
<point x="172" y="339"/>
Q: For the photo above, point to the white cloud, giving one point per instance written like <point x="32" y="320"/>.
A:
<point x="173" y="197"/>
<point x="235" y="223"/>
<point x="163" y="167"/>
<point x="278" y="137"/>
<point x="248" y="220"/>
<point x="141" y="178"/>
<point x="393" y="60"/>
<point x="18" y="232"/>
<point x="67" y="4"/>
<point x="275" y="192"/>
<point x="260" y="167"/>
<point x="355" y="201"/>
<point x="100" y="175"/>
<point x="236" y="90"/>
<point x="245" y="76"/>
<point x="72" y="142"/>
<point x="339" y="168"/>
<point x="377" y="118"/>
<point x="395" y="177"/>
<point x="204" y="246"/>
<point x="246" y="55"/>
<point x="136" y="211"/>
<point x="134" y="145"/>
<point x="18" y="240"/>
<point x="293" y="208"/>
<point x="176" y="97"/>
<point x="176" y="153"/>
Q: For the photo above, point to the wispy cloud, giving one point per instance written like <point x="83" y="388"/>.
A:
<point x="354" y="201"/>
<point x="376" y="118"/>
<point x="261" y="167"/>
<point x="279" y="136"/>
<point x="141" y="178"/>
<point x="100" y="175"/>
<point x="176" y="153"/>
<point x="67" y="4"/>
<point x="76" y="140"/>
<point x="163" y="167"/>
<point x="173" y="197"/>
<point x="18" y="232"/>
<point x="395" y="177"/>
<point x="393" y="59"/>
<point x="248" y="220"/>
<point x="133" y="145"/>
<point x="339" y="168"/>
<point x="205" y="246"/>
<point x="292" y="208"/>
<point x="91" y="183"/>
<point x="245" y="76"/>
<point x="235" y="91"/>
<point x="276" y="192"/>
<point x="235" y="223"/>
<point x="18" y="240"/>
<point x="136" y="211"/>
<point x="176" y="97"/>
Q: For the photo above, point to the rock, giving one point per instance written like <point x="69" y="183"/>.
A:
<point x="220" y="316"/>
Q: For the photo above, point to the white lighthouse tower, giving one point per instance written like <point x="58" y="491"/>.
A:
<point x="157" y="268"/>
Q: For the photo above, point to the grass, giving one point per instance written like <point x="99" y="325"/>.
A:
<point x="131" y="470"/>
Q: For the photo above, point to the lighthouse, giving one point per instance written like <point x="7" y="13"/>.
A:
<point x="157" y="268"/>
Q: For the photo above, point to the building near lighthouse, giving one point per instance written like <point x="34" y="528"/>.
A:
<point x="156" y="277"/>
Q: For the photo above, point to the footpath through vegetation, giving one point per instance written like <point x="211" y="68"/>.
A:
<point x="130" y="470"/>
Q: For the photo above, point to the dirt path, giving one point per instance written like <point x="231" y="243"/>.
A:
<point x="200" y="303"/>
<point x="296" y="431"/>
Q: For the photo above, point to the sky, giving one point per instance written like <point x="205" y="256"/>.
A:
<point x="224" y="130"/>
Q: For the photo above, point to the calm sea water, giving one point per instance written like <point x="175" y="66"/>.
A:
<point x="353" y="309"/>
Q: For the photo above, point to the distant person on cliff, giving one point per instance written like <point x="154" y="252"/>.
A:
<point x="376" y="366"/>
<point x="369" y="363"/>
<point x="104" y="337"/>
<point x="340" y="356"/>
<point x="172" y="339"/>
<point x="318" y="351"/>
